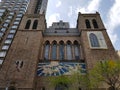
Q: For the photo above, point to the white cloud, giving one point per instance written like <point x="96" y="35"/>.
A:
<point x="70" y="11"/>
<point x="113" y="20"/>
<point x="91" y="7"/>
<point x="58" y="4"/>
<point x="53" y="18"/>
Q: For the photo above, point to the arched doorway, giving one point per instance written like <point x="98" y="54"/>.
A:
<point x="11" y="88"/>
<point x="61" y="86"/>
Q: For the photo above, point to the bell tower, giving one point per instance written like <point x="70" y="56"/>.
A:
<point x="95" y="40"/>
<point x="19" y="67"/>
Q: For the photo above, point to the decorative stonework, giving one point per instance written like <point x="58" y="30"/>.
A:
<point x="55" y="68"/>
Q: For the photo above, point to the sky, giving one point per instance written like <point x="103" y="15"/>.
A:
<point x="67" y="10"/>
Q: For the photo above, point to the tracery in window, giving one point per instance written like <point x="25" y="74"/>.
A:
<point x="93" y="40"/>
<point x="69" y="50"/>
<point x="46" y="53"/>
<point x="77" y="50"/>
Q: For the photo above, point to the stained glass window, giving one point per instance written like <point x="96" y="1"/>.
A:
<point x="93" y="40"/>
<point x="47" y="47"/>
<point x="76" y="50"/>
<point x="69" y="50"/>
<point x="61" y="50"/>
<point x="54" y="50"/>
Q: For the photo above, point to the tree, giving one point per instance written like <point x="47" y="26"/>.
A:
<point x="106" y="72"/>
<point x="60" y="82"/>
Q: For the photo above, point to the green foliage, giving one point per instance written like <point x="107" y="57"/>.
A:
<point x="103" y="72"/>
<point x="107" y="72"/>
<point x="60" y="79"/>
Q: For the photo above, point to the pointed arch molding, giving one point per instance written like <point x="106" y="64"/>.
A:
<point x="97" y="41"/>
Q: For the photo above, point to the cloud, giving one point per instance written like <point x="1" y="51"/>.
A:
<point x="113" y="20"/>
<point x="91" y="7"/>
<point x="58" y="4"/>
<point x="53" y="18"/>
<point x="70" y="11"/>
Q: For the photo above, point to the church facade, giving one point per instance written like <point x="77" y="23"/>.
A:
<point x="30" y="52"/>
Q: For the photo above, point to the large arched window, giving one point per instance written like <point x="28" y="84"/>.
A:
<point x="46" y="51"/>
<point x="95" y="23"/>
<point x="87" y="22"/>
<point x="28" y="24"/>
<point x="77" y="50"/>
<point x="54" y="50"/>
<point x="93" y="40"/>
<point x="35" y="24"/>
<point x="61" y="86"/>
<point x="69" y="50"/>
<point x="61" y="50"/>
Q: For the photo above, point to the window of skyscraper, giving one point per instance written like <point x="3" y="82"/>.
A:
<point x="16" y="22"/>
<point x="3" y="29"/>
<point x="5" y="47"/>
<point x="10" y="36"/>
<point x="2" y="53"/>
<point x="18" y="19"/>
<point x="10" y="17"/>
<point x="1" y="61"/>
<point x="1" y="34"/>
<point x="12" y="31"/>
<point x="8" y="41"/>
<point x="14" y="27"/>
<point x="5" y="24"/>
<point x="7" y="21"/>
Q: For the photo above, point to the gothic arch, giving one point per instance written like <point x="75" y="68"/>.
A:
<point x="46" y="50"/>
<point x="76" y="42"/>
<point x="35" y="24"/>
<point x="28" y="24"/>
<point x="95" y="23"/>
<point x="87" y="22"/>
<point x="68" y="42"/>
<point x="61" y="86"/>
<point x="76" y="50"/>
<point x="11" y="88"/>
<point x="69" y="50"/>
<point x="94" y="40"/>
<point x="54" y="50"/>
<point x="61" y="50"/>
<point x="61" y="42"/>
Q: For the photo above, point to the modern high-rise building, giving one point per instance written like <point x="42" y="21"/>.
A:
<point x="30" y="52"/>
